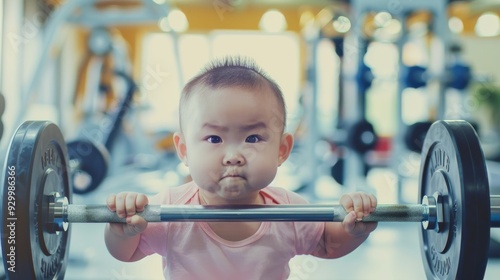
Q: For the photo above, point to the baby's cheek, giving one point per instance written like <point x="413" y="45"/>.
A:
<point x="204" y="172"/>
<point x="251" y="153"/>
<point x="264" y="171"/>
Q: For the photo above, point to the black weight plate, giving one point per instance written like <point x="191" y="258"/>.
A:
<point x="361" y="136"/>
<point x="91" y="165"/>
<point x="453" y="165"/>
<point x="337" y="171"/>
<point x="36" y="166"/>
<point x="415" y="135"/>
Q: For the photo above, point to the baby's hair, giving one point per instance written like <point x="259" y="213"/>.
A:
<point x="234" y="71"/>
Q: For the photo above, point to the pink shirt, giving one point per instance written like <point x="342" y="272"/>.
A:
<point x="191" y="250"/>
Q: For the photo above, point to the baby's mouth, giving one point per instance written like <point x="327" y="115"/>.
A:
<point x="232" y="175"/>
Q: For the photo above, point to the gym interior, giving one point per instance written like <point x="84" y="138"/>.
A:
<point x="363" y="81"/>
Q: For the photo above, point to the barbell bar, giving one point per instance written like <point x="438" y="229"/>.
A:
<point x="74" y="213"/>
<point x="453" y="189"/>
<point x="61" y="211"/>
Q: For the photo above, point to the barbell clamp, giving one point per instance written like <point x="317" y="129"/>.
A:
<point x="433" y="212"/>
<point x="58" y="213"/>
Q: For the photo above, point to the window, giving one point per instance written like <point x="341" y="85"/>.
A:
<point x="169" y="62"/>
<point x="166" y="64"/>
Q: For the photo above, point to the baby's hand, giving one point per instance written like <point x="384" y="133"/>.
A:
<point x="126" y="205"/>
<point x="357" y="206"/>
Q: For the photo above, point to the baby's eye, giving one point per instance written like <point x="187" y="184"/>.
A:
<point x="253" y="139"/>
<point x="214" y="139"/>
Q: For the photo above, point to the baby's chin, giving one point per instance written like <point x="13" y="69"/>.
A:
<point x="232" y="191"/>
<point x="236" y="191"/>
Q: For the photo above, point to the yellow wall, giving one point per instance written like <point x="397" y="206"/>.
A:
<point x="220" y="17"/>
<point x="205" y="18"/>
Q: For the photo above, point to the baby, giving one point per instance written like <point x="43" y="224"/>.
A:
<point x="232" y="122"/>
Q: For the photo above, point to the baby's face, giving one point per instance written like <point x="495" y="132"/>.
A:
<point x="234" y="140"/>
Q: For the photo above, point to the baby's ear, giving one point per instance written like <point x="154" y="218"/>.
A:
<point x="180" y="146"/>
<point x="286" y="146"/>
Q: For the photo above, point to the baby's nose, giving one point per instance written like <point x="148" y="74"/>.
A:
<point x="234" y="158"/>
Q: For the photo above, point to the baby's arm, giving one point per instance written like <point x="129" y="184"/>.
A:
<point x="122" y="240"/>
<point x="340" y="239"/>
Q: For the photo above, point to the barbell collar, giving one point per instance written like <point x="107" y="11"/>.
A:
<point x="430" y="216"/>
<point x="57" y="208"/>
<point x="495" y="211"/>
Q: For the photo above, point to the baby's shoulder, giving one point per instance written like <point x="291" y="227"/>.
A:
<point x="284" y="196"/>
<point x="175" y="195"/>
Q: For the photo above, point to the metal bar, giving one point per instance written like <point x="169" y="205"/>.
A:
<point x="190" y="213"/>
<point x="495" y="211"/>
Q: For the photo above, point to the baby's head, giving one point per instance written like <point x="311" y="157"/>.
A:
<point x="232" y="119"/>
<point x="233" y="72"/>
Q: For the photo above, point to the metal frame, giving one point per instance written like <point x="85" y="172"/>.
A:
<point x="151" y="12"/>
<point x="400" y="10"/>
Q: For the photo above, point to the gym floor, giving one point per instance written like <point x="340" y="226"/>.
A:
<point x="391" y="252"/>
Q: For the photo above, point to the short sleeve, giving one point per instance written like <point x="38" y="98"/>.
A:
<point x="154" y="238"/>
<point x="307" y="234"/>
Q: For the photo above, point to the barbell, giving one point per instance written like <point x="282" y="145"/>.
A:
<point x="456" y="210"/>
